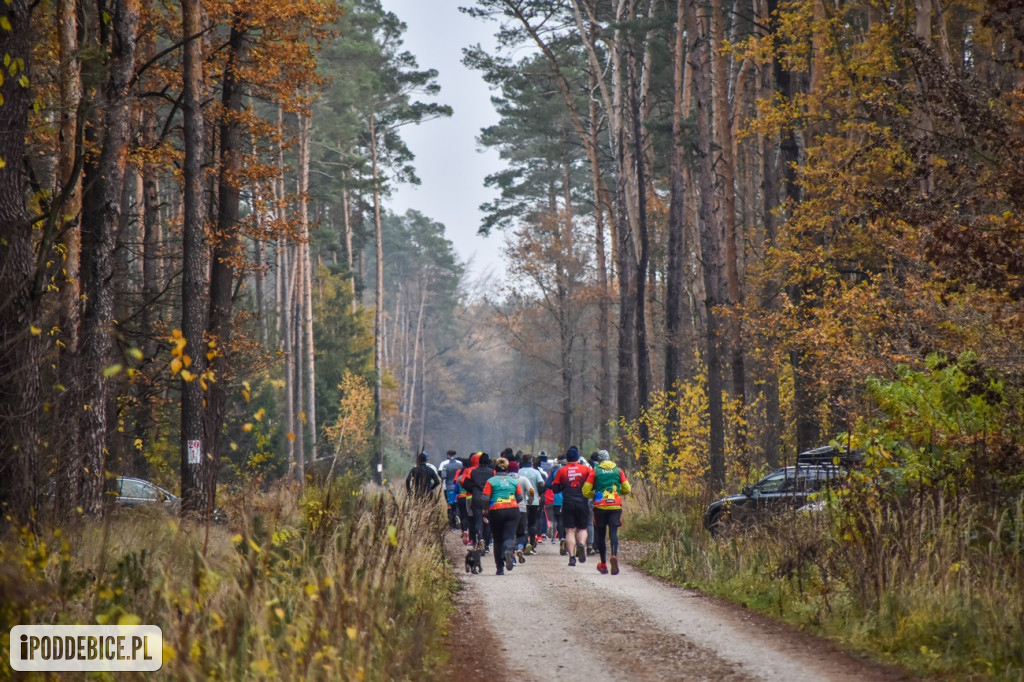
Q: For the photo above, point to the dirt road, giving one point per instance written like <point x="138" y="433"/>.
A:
<point x="547" y="621"/>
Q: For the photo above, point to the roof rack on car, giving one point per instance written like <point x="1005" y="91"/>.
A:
<point x="830" y="454"/>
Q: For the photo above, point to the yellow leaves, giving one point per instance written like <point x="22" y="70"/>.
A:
<point x="176" y="365"/>
<point x="187" y="376"/>
<point x="352" y="631"/>
<point x="290" y="436"/>
<point x="136" y="354"/>
<point x="393" y="535"/>
<point x="5" y="24"/>
<point x="34" y="330"/>
<point x="129" y="619"/>
<point x="112" y="370"/>
<point x="137" y="444"/>
<point x="247" y="427"/>
<point x="260" y="413"/>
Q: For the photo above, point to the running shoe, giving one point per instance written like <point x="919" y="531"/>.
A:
<point x="572" y="561"/>
<point x="529" y="550"/>
<point x="465" y="537"/>
<point x="615" y="565"/>
<point x="581" y="553"/>
<point x="507" y="556"/>
<point x="519" y="556"/>
<point x="500" y="572"/>
<point x="602" y="567"/>
<point x="591" y="551"/>
<point x="563" y="549"/>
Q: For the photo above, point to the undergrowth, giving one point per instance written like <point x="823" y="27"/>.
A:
<point x="343" y="583"/>
<point x="918" y="559"/>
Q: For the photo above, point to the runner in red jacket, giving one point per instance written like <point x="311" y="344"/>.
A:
<point x="569" y="481"/>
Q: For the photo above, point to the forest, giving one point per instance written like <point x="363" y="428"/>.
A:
<point x="734" y="231"/>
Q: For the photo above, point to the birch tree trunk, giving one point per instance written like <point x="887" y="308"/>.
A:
<point x="309" y="367"/>
<point x="378" y="316"/>
<point x="295" y="379"/>
<point x="417" y="350"/>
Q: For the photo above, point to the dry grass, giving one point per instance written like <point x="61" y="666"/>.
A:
<point x="932" y="583"/>
<point x="345" y="583"/>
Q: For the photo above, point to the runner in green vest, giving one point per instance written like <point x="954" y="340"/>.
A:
<point x="607" y="484"/>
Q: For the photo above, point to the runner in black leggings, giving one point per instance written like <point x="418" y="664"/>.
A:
<point x="502" y="494"/>
<point x="606" y="484"/>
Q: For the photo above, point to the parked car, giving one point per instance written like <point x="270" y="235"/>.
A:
<point x="136" y="492"/>
<point x="784" y="489"/>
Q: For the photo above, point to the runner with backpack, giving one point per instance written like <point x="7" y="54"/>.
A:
<point x="607" y="484"/>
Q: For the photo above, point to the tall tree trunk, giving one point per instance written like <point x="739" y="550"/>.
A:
<point x="643" y="359"/>
<point x="770" y="159"/>
<point x="226" y="248"/>
<point x="101" y="214"/>
<point x="309" y="364"/>
<point x="727" y="164"/>
<point x="20" y="383"/>
<point x="566" y="333"/>
<point x="628" y="402"/>
<point x="195" y="284"/>
<point x="378" y="316"/>
<point x="416" y="350"/>
<point x="804" y="393"/>
<point x="711" y="243"/>
<point x="69" y="179"/>
<point x="423" y="400"/>
<point x="295" y="381"/>
<point x="349" y="258"/>
<point x="675" y="285"/>
<point x="287" y="341"/>
<point x="604" y="379"/>
<point x="152" y="237"/>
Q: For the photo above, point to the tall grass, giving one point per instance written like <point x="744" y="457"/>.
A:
<point x="343" y="583"/>
<point x="931" y="583"/>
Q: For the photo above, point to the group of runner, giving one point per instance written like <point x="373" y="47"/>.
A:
<point x="516" y="501"/>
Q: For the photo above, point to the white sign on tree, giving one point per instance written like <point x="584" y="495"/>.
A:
<point x="195" y="451"/>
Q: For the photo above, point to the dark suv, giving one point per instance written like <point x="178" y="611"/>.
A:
<point x="787" y="488"/>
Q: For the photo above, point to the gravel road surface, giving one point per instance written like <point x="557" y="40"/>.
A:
<point x="548" y="621"/>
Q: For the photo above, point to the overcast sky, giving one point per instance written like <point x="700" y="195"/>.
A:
<point x="448" y="163"/>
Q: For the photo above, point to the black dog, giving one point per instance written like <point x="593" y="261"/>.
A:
<point x="473" y="562"/>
